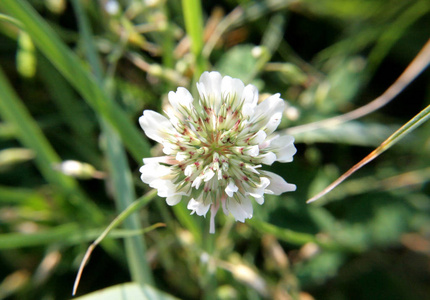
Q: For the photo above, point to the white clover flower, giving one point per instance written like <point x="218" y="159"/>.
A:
<point x="215" y="147"/>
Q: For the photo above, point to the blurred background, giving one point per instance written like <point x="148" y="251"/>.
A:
<point x="75" y="77"/>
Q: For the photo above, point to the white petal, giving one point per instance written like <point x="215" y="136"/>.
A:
<point x="277" y="184"/>
<point x="247" y="111"/>
<point x="173" y="200"/>
<point x="198" y="207"/>
<point x="153" y="171"/>
<point x="284" y="148"/>
<point x="233" y="87"/>
<point x="171" y="113"/>
<point x="208" y="175"/>
<point x="190" y="169"/>
<point x="286" y="154"/>
<point x="156" y="126"/>
<point x="269" y="110"/>
<point x="259" y="190"/>
<point x="209" y="87"/>
<point x="165" y="187"/>
<point x="252" y="168"/>
<point x="181" y="156"/>
<point x="182" y="98"/>
<point x="258" y="138"/>
<point x="240" y="211"/>
<point x="268" y="159"/>
<point x="250" y="95"/>
<point x="160" y="159"/>
<point x="281" y="140"/>
<point x="273" y="122"/>
<point x="197" y="182"/>
<point x="252" y="150"/>
<point x="250" y="99"/>
<point x="219" y="173"/>
<point x="169" y="148"/>
<point x="264" y="145"/>
<point x="259" y="200"/>
<point x="231" y="188"/>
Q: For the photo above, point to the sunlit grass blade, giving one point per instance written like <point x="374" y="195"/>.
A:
<point x="81" y="79"/>
<point x="194" y="25"/>
<point x="124" y="197"/>
<point x="416" y="121"/>
<point x="11" y="20"/>
<point x="117" y="159"/>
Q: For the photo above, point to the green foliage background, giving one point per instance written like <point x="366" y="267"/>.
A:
<point x="74" y="79"/>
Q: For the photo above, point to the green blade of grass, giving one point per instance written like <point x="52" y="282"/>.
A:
<point x="67" y="234"/>
<point x="72" y="112"/>
<point x="28" y="132"/>
<point x="77" y="74"/>
<point x="59" y="234"/>
<point x="297" y="238"/>
<point x="394" y="32"/>
<point x="193" y="19"/>
<point x="17" y="195"/>
<point x="117" y="160"/>
<point x="124" y="197"/>
<point x="126" y="213"/>
<point x="13" y="111"/>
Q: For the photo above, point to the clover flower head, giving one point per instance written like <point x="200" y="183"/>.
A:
<point x="215" y="147"/>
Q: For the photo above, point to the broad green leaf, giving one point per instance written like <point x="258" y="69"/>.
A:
<point x="238" y="62"/>
<point x="320" y="268"/>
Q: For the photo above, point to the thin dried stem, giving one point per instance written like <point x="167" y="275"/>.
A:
<point x="157" y="70"/>
<point x="222" y="27"/>
<point x="94" y="245"/>
<point x="391" y="140"/>
<point x="118" y="220"/>
<point x="419" y="63"/>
